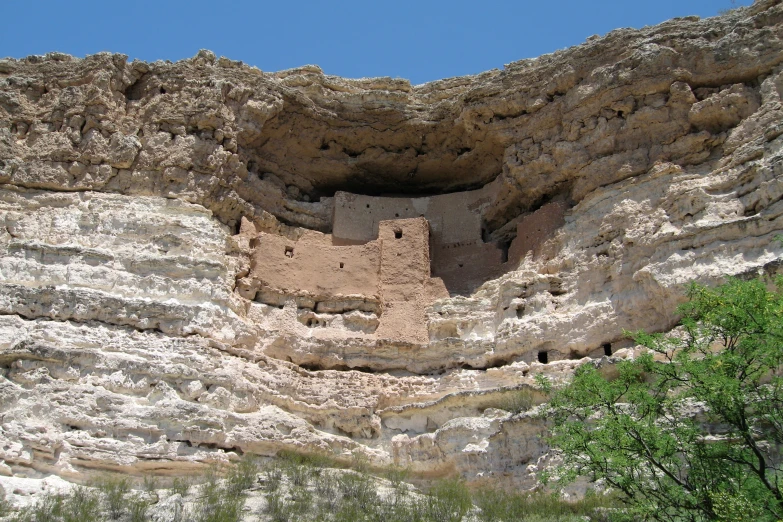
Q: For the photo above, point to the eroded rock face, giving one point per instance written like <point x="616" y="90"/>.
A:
<point x="147" y="320"/>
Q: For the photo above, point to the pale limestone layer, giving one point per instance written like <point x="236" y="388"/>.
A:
<point x="128" y="341"/>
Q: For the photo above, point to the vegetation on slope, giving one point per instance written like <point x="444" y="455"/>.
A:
<point x="296" y="488"/>
<point x="692" y="430"/>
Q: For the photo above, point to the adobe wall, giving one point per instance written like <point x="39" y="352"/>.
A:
<point x="312" y="265"/>
<point x="394" y="276"/>
<point x="389" y="276"/>
<point x="535" y="228"/>
<point x="459" y="256"/>
<point x="405" y="275"/>
<point x="463" y="268"/>
<point x="453" y="218"/>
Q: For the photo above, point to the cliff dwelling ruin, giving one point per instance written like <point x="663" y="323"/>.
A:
<point x="386" y="261"/>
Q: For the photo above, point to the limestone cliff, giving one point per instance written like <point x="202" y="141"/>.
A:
<point x="172" y="237"/>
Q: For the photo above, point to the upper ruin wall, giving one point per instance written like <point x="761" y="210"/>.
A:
<point x="453" y="218"/>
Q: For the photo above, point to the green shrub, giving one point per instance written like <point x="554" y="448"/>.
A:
<point x="5" y="506"/>
<point x="308" y="459"/>
<point x="243" y="476"/>
<point x="277" y="508"/>
<point x="47" y="509"/>
<point x="298" y="474"/>
<point x="81" y="504"/>
<point x="516" y="401"/>
<point x="137" y="508"/>
<point x="114" y="491"/>
<point x="448" y="501"/>
<point x="180" y="486"/>
<point x="219" y="502"/>
<point x="151" y="485"/>
<point x="358" y="489"/>
<point x="499" y="506"/>
<point x="273" y="474"/>
<point x="326" y="486"/>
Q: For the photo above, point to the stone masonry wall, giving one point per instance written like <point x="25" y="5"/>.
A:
<point x="389" y="276"/>
<point x="313" y="266"/>
<point x="535" y="228"/>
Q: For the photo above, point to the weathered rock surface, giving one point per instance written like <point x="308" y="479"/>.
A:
<point x="132" y="339"/>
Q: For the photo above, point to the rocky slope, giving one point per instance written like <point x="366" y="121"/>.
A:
<point x="126" y="344"/>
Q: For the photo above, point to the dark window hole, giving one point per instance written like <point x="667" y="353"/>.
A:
<point x="459" y="264"/>
<point x="396" y="214"/>
<point x="342" y="265"/>
<point x="398" y="234"/>
<point x="543" y="357"/>
<point x="289" y="251"/>
<point x="368" y="205"/>
<point x="162" y="90"/>
<point x="607" y="349"/>
<point x="504" y="246"/>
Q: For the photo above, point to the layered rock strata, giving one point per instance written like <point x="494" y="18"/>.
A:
<point x="152" y="320"/>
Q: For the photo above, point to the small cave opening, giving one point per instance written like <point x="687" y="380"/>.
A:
<point x="607" y="349"/>
<point x="543" y="357"/>
<point x="135" y="91"/>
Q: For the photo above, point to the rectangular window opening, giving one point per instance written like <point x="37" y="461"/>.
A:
<point x="504" y="246"/>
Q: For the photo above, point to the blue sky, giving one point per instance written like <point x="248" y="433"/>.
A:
<point x="418" y="40"/>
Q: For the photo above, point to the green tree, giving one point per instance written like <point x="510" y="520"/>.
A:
<point x="692" y="430"/>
